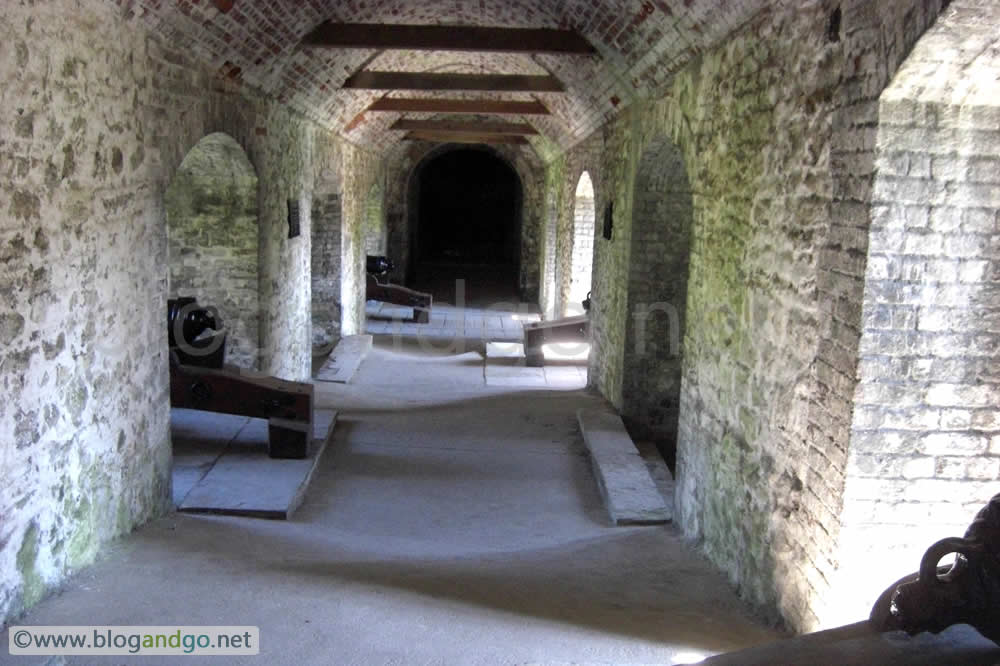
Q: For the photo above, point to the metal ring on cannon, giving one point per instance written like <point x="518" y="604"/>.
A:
<point x="936" y="597"/>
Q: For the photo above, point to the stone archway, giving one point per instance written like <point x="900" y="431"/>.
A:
<point x="582" y="258"/>
<point x="657" y="296"/>
<point x="213" y="237"/>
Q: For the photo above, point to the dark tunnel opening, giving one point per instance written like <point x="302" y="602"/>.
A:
<point x="468" y="208"/>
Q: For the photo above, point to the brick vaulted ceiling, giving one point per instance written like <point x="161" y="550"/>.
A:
<point x="639" y="45"/>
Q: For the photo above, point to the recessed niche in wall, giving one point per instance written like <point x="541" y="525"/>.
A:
<point x="833" y="27"/>
<point x="293" y="218"/>
<point x="609" y="220"/>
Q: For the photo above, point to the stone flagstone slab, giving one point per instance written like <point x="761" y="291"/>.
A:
<point x="244" y="481"/>
<point x="628" y="491"/>
<point x="345" y="359"/>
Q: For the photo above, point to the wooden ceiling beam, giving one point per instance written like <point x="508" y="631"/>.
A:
<point x="447" y="38"/>
<point x="417" y="105"/>
<point x="371" y="80"/>
<point x="457" y="127"/>
<point x="452" y="137"/>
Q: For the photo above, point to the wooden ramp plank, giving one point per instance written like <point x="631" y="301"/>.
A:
<point x="629" y="493"/>
<point x="345" y="359"/>
<point x="246" y="482"/>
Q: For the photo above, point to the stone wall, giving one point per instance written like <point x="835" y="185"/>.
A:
<point x="925" y="439"/>
<point x="776" y="161"/>
<point x="95" y="130"/>
<point x="86" y="451"/>
<point x="549" y="237"/>
<point x="326" y="269"/>
<point x="211" y="208"/>
<point x="375" y="227"/>
<point x="361" y="170"/>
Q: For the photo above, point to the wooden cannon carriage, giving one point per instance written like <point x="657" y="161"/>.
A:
<point x="393" y="293"/>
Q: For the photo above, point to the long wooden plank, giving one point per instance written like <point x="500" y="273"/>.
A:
<point x="463" y="127"/>
<point x="417" y="105"/>
<point x="445" y="137"/>
<point x="447" y="38"/>
<point x="371" y="80"/>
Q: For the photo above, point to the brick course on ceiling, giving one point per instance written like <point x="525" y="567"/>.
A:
<point x="639" y="44"/>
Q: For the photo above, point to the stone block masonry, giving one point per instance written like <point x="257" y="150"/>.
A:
<point x="326" y="269"/>
<point x="927" y="406"/>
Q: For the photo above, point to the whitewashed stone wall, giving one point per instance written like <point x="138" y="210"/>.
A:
<point x="94" y="131"/>
<point x="925" y="438"/>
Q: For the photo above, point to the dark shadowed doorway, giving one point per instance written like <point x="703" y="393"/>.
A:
<point x="467" y="203"/>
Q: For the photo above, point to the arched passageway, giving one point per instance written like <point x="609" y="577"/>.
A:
<point x="212" y="228"/>
<point x="657" y="296"/>
<point x="583" y="244"/>
<point x="467" y="205"/>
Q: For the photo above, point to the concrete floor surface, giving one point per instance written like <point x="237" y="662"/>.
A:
<point x="450" y="522"/>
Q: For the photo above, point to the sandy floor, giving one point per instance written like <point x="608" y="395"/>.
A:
<point x="451" y="522"/>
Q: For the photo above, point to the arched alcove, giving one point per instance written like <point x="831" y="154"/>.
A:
<point x="465" y="206"/>
<point x="212" y="230"/>
<point x="657" y="295"/>
<point x="582" y="258"/>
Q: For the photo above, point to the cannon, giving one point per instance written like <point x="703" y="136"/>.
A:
<point x="378" y="265"/>
<point x="966" y="592"/>
<point x="186" y="321"/>
<point x="200" y="379"/>
<point x="387" y="292"/>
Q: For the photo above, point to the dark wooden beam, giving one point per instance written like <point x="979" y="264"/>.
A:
<point x="416" y="105"/>
<point x="450" y="137"/>
<point x="369" y="80"/>
<point x="456" y="127"/>
<point x="447" y="38"/>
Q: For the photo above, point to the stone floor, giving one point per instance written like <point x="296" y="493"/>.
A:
<point x="452" y="521"/>
<point x="467" y="332"/>
<point x="448" y="322"/>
